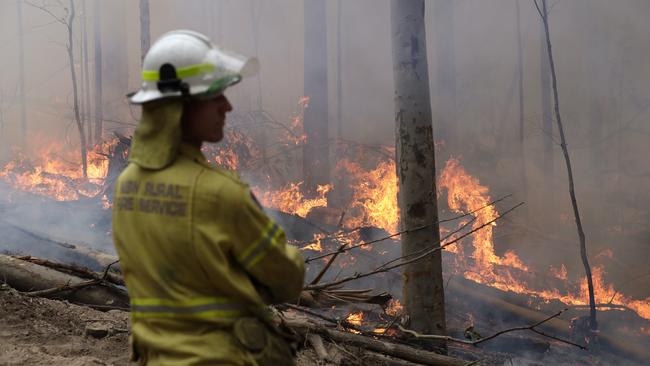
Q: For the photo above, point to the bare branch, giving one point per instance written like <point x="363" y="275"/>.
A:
<point x="485" y="339"/>
<point x="382" y="268"/>
<point x="311" y="259"/>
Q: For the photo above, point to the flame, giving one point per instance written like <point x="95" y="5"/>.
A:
<point x="374" y="195"/>
<point x="291" y="200"/>
<point x="355" y="318"/>
<point x="55" y="172"/>
<point x="465" y="193"/>
<point x="394" y="308"/>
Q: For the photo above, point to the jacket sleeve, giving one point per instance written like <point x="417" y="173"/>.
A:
<point x="261" y="249"/>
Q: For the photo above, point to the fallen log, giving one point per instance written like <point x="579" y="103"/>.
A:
<point x="113" y="277"/>
<point x="35" y="280"/>
<point x="401" y="351"/>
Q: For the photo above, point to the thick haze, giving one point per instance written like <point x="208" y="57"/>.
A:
<point x="602" y="56"/>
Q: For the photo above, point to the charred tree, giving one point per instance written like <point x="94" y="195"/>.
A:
<point x="68" y="22"/>
<point x="316" y="149"/>
<point x="21" y="75"/>
<point x="75" y="94"/>
<point x="99" y="128"/>
<point x="593" y="324"/>
<point x="445" y="79"/>
<point x="145" y="36"/>
<point x="423" y="292"/>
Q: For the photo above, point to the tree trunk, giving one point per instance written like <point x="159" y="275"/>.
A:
<point x="423" y="292"/>
<point x="593" y="324"/>
<point x="86" y="74"/>
<point x="145" y="37"/>
<point x="520" y="79"/>
<point x="445" y="80"/>
<point x="21" y="75"/>
<point x="75" y="94"/>
<point x="99" y="128"/>
<point x="316" y="149"/>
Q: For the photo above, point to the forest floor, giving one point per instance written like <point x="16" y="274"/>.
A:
<point x="37" y="331"/>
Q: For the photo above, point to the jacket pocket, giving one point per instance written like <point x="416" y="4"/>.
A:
<point x="267" y="348"/>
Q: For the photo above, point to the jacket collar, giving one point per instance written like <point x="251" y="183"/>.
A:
<point x="193" y="153"/>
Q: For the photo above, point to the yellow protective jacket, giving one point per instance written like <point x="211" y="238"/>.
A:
<point x="195" y="247"/>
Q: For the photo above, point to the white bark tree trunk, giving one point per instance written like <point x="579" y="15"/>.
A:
<point x="423" y="292"/>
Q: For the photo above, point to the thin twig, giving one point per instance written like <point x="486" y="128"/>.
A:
<point x="322" y="272"/>
<point x="311" y="259"/>
<point x="382" y="268"/>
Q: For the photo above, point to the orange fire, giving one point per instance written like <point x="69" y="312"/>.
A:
<point x="355" y="318"/>
<point x="56" y="172"/>
<point x="374" y="195"/>
<point x="291" y="200"/>
<point x="466" y="194"/>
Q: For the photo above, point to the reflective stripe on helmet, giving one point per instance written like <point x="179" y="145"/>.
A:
<point x="181" y="72"/>
<point x="210" y="307"/>
<point x="255" y="252"/>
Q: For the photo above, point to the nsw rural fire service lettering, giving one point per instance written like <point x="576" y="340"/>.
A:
<point x="156" y="198"/>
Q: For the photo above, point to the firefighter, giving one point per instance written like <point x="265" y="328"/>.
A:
<point x="200" y="258"/>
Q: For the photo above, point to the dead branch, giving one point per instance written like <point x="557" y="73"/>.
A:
<point x="485" y="339"/>
<point x="84" y="272"/>
<point x="68" y="287"/>
<point x="322" y="272"/>
<point x="408" y="353"/>
<point x="384" y="268"/>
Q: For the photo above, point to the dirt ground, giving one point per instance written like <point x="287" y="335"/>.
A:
<point x="36" y="331"/>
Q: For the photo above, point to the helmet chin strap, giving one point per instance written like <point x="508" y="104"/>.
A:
<point x="169" y="81"/>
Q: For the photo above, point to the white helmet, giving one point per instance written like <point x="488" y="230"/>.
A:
<point x="186" y="63"/>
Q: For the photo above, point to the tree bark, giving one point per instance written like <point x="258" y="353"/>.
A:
<point x="75" y="94"/>
<point x="29" y="277"/>
<point x="593" y="324"/>
<point x="21" y="75"/>
<point x="423" y="292"/>
<point x="99" y="128"/>
<point x="145" y="37"/>
<point x="316" y="123"/>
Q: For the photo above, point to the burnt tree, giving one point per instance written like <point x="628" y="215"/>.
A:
<point x="316" y="150"/>
<point x="543" y="12"/>
<point x="423" y="292"/>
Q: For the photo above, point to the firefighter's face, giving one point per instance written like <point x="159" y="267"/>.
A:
<point x="203" y="120"/>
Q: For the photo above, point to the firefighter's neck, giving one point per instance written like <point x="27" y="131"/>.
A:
<point x="194" y="142"/>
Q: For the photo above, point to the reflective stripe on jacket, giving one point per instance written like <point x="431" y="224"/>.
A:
<point x="193" y="246"/>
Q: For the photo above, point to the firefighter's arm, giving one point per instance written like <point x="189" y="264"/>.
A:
<point x="263" y="252"/>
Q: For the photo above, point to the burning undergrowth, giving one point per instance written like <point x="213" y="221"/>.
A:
<point x="354" y="219"/>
